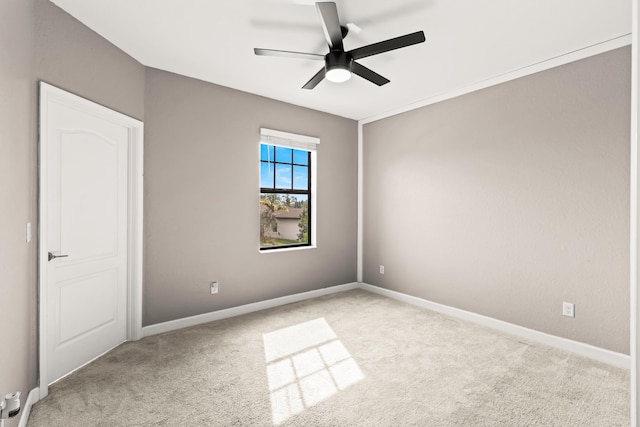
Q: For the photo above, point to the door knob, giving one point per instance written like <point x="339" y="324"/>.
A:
<point x="52" y="256"/>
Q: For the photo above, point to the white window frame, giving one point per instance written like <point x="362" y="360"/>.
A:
<point x="301" y="142"/>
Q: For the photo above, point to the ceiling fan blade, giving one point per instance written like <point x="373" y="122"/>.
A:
<point x="315" y="80"/>
<point x="387" y="45"/>
<point x="368" y="74"/>
<point x="287" y="54"/>
<point x="330" y="24"/>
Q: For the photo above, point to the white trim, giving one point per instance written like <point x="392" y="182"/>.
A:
<point x="602" y="355"/>
<point x="633" y="229"/>
<point x="290" y="137"/>
<point x="511" y="75"/>
<point x="314" y="200"/>
<point x="186" y="322"/>
<point x="50" y="93"/>
<point x="360" y="220"/>
<point x="32" y="399"/>
<point x="136" y="232"/>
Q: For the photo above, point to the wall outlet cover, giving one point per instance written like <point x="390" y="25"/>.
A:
<point x="568" y="309"/>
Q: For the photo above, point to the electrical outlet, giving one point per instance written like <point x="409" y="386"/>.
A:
<point x="214" y="287"/>
<point x="382" y="269"/>
<point x="568" y="309"/>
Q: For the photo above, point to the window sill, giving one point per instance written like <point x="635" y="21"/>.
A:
<point x="301" y="248"/>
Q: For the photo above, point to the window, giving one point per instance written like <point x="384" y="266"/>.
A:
<point x="287" y="195"/>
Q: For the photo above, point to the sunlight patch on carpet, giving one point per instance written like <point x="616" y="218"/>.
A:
<point x="306" y="364"/>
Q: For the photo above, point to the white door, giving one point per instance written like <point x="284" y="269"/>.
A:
<point x="85" y="229"/>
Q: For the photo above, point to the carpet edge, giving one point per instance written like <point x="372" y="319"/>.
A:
<point x="599" y="354"/>
<point x="173" y="325"/>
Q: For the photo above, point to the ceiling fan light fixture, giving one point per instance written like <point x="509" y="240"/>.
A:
<point x="338" y="74"/>
<point x="338" y="66"/>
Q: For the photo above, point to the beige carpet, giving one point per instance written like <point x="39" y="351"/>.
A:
<point x="349" y="359"/>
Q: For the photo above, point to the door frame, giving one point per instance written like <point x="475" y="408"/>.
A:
<point x="634" y="226"/>
<point x="48" y="94"/>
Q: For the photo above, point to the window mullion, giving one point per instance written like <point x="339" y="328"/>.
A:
<point x="274" y="166"/>
<point x="291" y="170"/>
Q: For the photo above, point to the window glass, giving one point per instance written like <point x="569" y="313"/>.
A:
<point x="283" y="155"/>
<point x="266" y="174"/>
<point x="283" y="176"/>
<point x="300" y="177"/>
<point x="266" y="152"/>
<point x="300" y="157"/>
<point x="284" y="220"/>
<point x="285" y="194"/>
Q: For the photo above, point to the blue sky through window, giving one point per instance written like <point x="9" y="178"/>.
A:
<point x="283" y="168"/>
<point x="284" y="155"/>
<point x="283" y="176"/>
<point x="300" y="177"/>
<point x="266" y="152"/>
<point x="300" y="157"/>
<point x="266" y="174"/>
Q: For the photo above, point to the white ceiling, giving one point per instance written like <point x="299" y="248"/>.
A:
<point x="468" y="41"/>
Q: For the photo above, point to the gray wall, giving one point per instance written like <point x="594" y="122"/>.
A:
<point x="40" y="41"/>
<point x="201" y="199"/>
<point x="510" y="200"/>
<point x="18" y="356"/>
<point x="74" y="58"/>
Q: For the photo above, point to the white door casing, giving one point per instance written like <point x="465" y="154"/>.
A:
<point x="91" y="211"/>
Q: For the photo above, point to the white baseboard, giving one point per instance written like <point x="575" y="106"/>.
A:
<point x="602" y="355"/>
<point x="606" y="356"/>
<point x="173" y="325"/>
<point x="32" y="399"/>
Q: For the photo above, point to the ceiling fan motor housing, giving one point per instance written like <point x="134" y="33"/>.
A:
<point x="339" y="63"/>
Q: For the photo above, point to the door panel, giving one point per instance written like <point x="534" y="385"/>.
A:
<point x="87" y="304"/>
<point x="89" y="189"/>
<point x="87" y="220"/>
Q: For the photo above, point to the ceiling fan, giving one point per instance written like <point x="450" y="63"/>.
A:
<point x="338" y="64"/>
